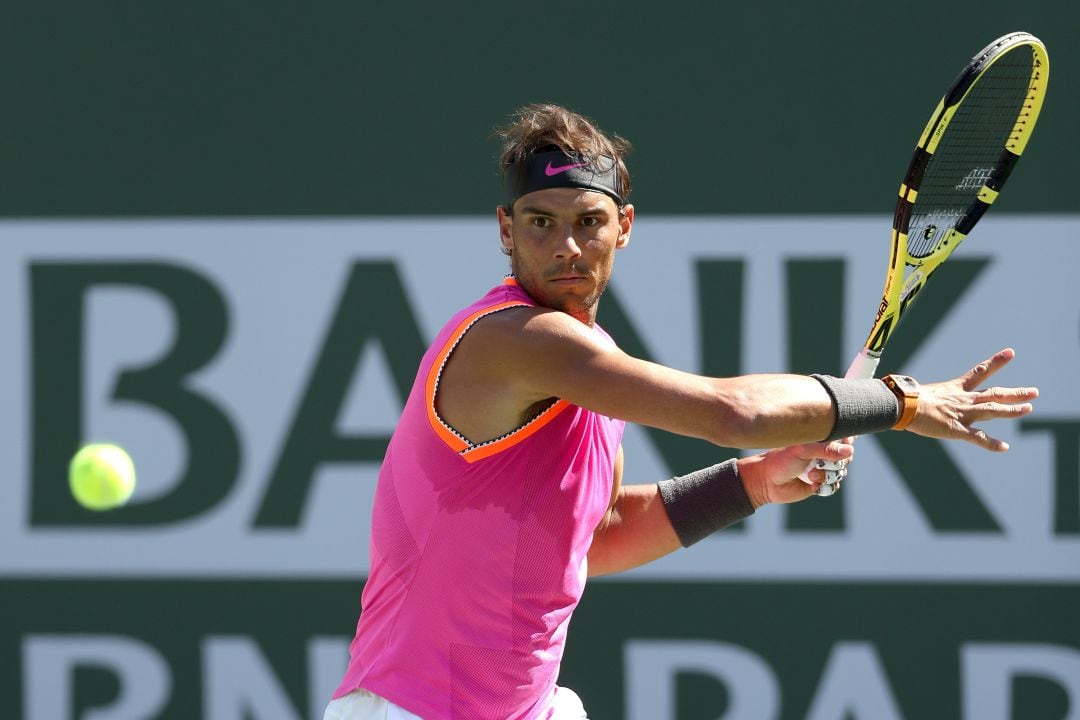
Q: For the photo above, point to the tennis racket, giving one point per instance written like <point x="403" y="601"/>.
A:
<point x="963" y="158"/>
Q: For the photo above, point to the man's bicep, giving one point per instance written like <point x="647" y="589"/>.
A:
<point x="565" y="359"/>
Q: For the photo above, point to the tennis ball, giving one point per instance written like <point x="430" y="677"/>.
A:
<point x="102" y="476"/>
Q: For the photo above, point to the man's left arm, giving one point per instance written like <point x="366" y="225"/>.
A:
<point x="646" y="522"/>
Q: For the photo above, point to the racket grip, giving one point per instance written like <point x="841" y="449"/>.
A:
<point x="833" y="473"/>
<point x="863" y="366"/>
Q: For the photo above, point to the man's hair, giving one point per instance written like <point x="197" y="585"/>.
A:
<point x="542" y="126"/>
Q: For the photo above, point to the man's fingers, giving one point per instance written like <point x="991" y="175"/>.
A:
<point x="980" y="438"/>
<point x="993" y="411"/>
<point x="1008" y="395"/>
<point x="981" y="372"/>
<point x="840" y="450"/>
<point x="835" y="451"/>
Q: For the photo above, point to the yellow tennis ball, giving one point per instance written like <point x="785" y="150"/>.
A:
<point x="102" y="476"/>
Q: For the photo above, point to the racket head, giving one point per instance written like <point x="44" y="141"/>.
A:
<point x="964" y="155"/>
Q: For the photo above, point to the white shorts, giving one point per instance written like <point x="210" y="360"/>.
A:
<point x="362" y="705"/>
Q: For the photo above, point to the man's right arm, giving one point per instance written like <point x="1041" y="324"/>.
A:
<point x="546" y="353"/>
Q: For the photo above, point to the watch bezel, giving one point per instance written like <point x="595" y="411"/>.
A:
<point x="906" y="384"/>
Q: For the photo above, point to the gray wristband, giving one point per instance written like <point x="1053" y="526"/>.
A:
<point x="705" y="501"/>
<point x="862" y="406"/>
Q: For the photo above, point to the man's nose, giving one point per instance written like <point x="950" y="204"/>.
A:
<point x="567" y="247"/>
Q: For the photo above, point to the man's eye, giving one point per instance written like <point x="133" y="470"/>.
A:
<point x="590" y="221"/>
<point x="541" y="222"/>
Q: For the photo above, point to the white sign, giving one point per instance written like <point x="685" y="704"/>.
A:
<point x="281" y="284"/>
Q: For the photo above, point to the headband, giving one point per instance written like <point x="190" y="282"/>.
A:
<point x="556" y="168"/>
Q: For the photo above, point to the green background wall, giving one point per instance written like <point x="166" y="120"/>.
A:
<point x="346" y="107"/>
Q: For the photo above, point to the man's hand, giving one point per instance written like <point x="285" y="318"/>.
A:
<point x="949" y="409"/>
<point x="773" y="476"/>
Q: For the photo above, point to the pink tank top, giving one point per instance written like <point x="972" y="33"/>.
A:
<point x="478" y="552"/>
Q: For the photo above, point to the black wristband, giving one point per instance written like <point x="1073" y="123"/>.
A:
<point x="862" y="406"/>
<point x="705" y="501"/>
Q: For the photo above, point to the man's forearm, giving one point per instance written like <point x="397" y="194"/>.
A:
<point x="649" y="521"/>
<point x="764" y="411"/>
<point x="635" y="531"/>
<point x="780" y="410"/>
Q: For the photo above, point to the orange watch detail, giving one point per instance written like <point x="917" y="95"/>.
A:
<point x="906" y="390"/>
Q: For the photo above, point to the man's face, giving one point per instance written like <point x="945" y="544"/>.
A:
<point x="563" y="243"/>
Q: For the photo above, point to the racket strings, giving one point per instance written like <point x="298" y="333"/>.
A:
<point x="969" y="154"/>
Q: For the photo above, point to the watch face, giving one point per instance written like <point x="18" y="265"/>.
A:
<point x="905" y="384"/>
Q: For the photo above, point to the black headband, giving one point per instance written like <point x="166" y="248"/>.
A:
<point x="558" y="169"/>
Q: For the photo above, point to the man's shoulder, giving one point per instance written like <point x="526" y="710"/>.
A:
<point x="504" y="295"/>
<point x="506" y="321"/>
<point x="536" y="331"/>
<point x="517" y="319"/>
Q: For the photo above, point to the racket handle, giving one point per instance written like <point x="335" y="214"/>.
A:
<point x="863" y="366"/>
<point x="834" y="473"/>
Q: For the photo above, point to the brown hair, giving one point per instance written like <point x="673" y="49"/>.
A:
<point x="543" y="126"/>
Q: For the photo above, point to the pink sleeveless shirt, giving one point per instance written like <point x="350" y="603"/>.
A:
<point x="478" y="552"/>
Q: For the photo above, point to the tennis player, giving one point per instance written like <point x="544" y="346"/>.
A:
<point x="501" y="490"/>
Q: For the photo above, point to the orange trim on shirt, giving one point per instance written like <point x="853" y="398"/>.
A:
<point x="470" y="452"/>
<point x="488" y="449"/>
<point x="452" y="440"/>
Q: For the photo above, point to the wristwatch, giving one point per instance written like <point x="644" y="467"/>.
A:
<point x="906" y="390"/>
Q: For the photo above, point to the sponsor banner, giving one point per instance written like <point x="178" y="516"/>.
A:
<point x="227" y="650"/>
<point x="255" y="368"/>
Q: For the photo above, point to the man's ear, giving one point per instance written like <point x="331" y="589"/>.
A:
<point x="506" y="228"/>
<point x="626" y="220"/>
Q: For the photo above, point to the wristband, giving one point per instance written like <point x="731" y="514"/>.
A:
<point x="863" y="406"/>
<point x="705" y="501"/>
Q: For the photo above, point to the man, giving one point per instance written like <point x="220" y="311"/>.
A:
<point x="502" y="485"/>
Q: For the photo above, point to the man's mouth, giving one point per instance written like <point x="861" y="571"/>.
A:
<point x="568" y="276"/>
